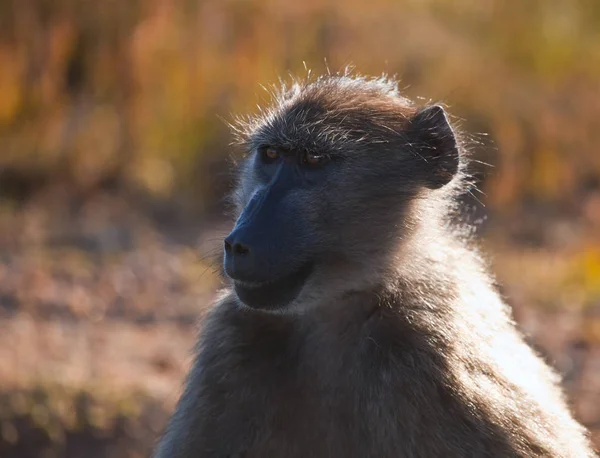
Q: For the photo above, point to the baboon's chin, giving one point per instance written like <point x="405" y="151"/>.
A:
<point x="274" y="294"/>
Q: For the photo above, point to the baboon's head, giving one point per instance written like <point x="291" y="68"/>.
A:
<point x="331" y="173"/>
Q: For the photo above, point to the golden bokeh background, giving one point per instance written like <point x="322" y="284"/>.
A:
<point x="114" y="151"/>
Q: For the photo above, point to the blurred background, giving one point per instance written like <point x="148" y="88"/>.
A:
<point x="114" y="151"/>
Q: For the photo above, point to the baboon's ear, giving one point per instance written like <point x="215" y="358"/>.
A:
<point x="432" y="138"/>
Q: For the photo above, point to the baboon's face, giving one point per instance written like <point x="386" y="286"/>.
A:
<point x="329" y="183"/>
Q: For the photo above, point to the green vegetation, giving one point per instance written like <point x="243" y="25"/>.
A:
<point x="54" y="422"/>
<point x="136" y="91"/>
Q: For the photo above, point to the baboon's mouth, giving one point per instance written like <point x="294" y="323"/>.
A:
<point x="273" y="294"/>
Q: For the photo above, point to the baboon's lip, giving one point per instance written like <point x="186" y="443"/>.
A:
<point x="273" y="294"/>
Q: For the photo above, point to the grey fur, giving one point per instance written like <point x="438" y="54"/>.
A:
<point x="398" y="345"/>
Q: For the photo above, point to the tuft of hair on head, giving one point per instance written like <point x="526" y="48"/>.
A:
<point x="339" y="92"/>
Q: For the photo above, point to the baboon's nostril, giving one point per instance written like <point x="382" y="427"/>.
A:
<point x="235" y="248"/>
<point x="239" y="248"/>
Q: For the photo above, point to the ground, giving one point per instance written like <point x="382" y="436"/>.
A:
<point x="100" y="303"/>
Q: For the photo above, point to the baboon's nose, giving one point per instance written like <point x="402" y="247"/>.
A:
<point x="238" y="262"/>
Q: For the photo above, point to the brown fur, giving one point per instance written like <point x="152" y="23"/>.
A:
<point x="398" y="344"/>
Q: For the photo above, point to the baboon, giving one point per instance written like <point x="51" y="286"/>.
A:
<point x="361" y="320"/>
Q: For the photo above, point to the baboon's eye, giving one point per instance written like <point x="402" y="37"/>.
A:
<point x="269" y="154"/>
<point x="313" y="160"/>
